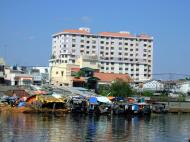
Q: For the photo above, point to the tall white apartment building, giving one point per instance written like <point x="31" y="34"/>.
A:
<point x="118" y="52"/>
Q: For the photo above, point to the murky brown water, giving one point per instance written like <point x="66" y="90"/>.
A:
<point x="18" y="127"/>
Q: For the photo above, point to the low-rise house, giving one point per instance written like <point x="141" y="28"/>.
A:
<point x="17" y="76"/>
<point x="183" y="87"/>
<point x="41" y="76"/>
<point x="37" y="78"/>
<point x="2" y="70"/>
<point x="153" y="85"/>
<point x="23" y="79"/>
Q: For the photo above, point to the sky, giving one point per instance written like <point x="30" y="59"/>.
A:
<point x="26" y="27"/>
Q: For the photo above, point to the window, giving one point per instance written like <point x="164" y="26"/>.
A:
<point x="82" y="46"/>
<point x="112" y="68"/>
<point x="56" y="72"/>
<point x="131" y="49"/>
<point x="111" y="53"/>
<point x="87" y="52"/>
<point x="82" y="41"/>
<point x="93" y="41"/>
<point x="102" y="47"/>
<point x="102" y="42"/>
<point x="120" y="48"/>
<point x="73" y="45"/>
<point x="112" y="43"/>
<point x="112" y="48"/>
<point x="120" y="53"/>
<point x="131" y="54"/>
<point x="62" y="72"/>
<point x="120" y="69"/>
<point x="87" y="47"/>
<point x="120" y="43"/>
<point x="126" y="54"/>
<point x="73" y="40"/>
<point x="87" y="41"/>
<point x="107" y="43"/>
<point x="137" y="49"/>
<point x="126" y="43"/>
<point x="93" y="47"/>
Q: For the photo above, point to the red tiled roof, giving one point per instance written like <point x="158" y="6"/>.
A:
<point x="75" y="69"/>
<point x="81" y="79"/>
<point x="109" y="77"/>
<point x="144" y="36"/>
<point x="112" y="34"/>
<point x="76" y="31"/>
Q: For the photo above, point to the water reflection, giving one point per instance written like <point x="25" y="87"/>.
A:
<point x="49" y="128"/>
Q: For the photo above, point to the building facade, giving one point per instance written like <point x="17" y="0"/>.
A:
<point x="120" y="53"/>
<point x="2" y="70"/>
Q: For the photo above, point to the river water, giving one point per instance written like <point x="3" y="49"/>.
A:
<point x="19" y="127"/>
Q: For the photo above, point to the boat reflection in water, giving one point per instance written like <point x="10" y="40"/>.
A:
<point x="80" y="127"/>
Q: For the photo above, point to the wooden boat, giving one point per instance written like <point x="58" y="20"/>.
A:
<point x="139" y="109"/>
<point x="159" y="107"/>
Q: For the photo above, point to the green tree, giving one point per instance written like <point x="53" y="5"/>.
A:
<point x="147" y="93"/>
<point x="120" y="88"/>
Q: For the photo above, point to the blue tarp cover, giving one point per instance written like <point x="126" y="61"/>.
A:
<point x="93" y="100"/>
<point x="21" y="104"/>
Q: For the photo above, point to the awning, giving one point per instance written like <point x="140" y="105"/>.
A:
<point x="104" y="100"/>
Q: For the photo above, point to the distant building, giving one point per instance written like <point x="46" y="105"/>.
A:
<point x="17" y="76"/>
<point x="153" y="85"/>
<point x="183" y="87"/>
<point x="40" y="75"/>
<point x="21" y="75"/>
<point x="116" y="52"/>
<point x="61" y="74"/>
<point x="2" y="70"/>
